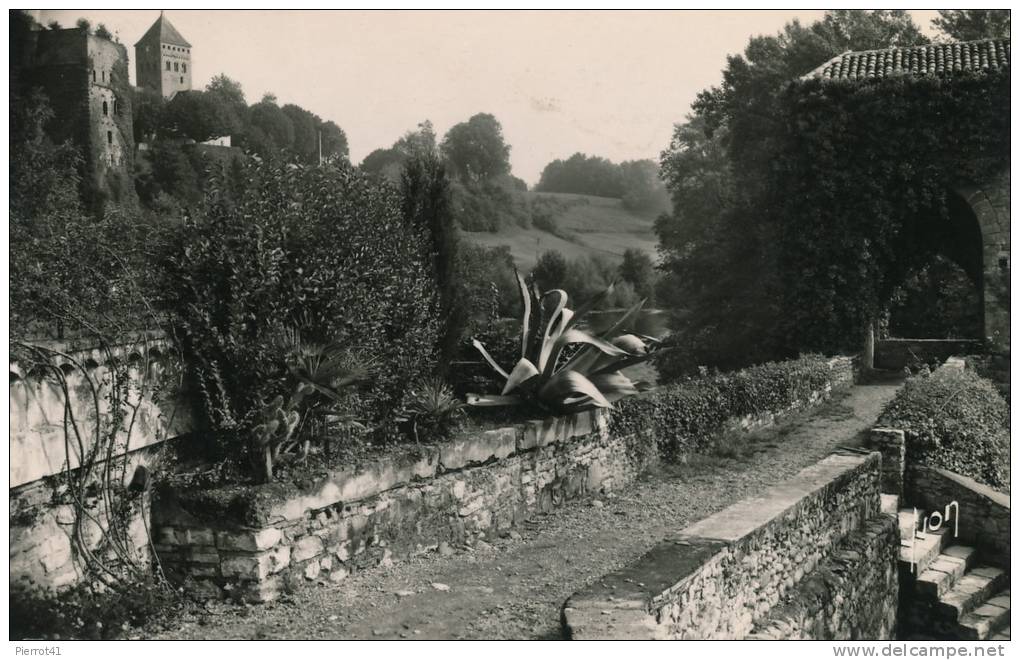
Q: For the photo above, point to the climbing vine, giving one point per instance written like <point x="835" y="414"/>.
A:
<point x="860" y="185"/>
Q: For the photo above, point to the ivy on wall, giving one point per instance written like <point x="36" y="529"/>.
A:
<point x="860" y="185"/>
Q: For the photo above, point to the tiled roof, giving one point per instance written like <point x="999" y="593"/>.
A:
<point x="165" y="32"/>
<point x="933" y="59"/>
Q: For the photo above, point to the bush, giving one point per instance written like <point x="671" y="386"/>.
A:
<point x="686" y="417"/>
<point x="324" y="250"/>
<point x="955" y="421"/>
<point x="82" y="612"/>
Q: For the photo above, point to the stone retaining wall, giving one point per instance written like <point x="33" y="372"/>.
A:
<point x="851" y="595"/>
<point x="720" y="575"/>
<point x="43" y="448"/>
<point x="984" y="512"/>
<point x="251" y="545"/>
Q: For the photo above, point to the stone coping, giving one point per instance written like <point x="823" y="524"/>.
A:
<point x="998" y="498"/>
<point x="233" y="507"/>
<point x="668" y="566"/>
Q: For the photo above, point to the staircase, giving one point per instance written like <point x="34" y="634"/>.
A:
<point x="946" y="591"/>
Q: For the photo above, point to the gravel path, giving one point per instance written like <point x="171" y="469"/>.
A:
<point x="514" y="589"/>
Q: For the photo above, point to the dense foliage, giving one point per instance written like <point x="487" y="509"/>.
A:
<point x="324" y="250"/>
<point x="172" y="169"/>
<point x="636" y="182"/>
<point x="937" y="300"/>
<point x="860" y="207"/>
<point x="800" y="206"/>
<point x="72" y="270"/>
<point x="475" y="149"/>
<point x="954" y="420"/>
<point x="687" y="416"/>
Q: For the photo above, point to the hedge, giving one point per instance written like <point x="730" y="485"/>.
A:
<point x="954" y="420"/>
<point x="686" y="417"/>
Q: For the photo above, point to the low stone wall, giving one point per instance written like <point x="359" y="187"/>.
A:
<point x="249" y="542"/>
<point x="984" y="512"/>
<point x="42" y="449"/>
<point x="897" y="353"/>
<point x="42" y="529"/>
<point x="720" y="575"/>
<point x="850" y="595"/>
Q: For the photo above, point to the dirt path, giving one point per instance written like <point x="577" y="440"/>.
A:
<point x="514" y="589"/>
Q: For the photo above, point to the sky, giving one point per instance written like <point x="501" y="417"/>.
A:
<point x="606" y="83"/>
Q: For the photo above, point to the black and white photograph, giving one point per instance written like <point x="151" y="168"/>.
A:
<point x="414" y="325"/>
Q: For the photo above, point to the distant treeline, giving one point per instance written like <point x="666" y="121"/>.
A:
<point x="636" y="182"/>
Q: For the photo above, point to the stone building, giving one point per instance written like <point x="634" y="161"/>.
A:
<point x="979" y="210"/>
<point x="163" y="59"/>
<point x="85" y="79"/>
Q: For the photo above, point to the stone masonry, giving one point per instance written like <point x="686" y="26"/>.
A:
<point x="464" y="491"/>
<point x="720" y="576"/>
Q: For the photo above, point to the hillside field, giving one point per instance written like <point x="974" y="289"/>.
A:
<point x="587" y="226"/>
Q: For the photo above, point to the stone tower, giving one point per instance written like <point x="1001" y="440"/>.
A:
<point x="163" y="59"/>
<point x="85" y="80"/>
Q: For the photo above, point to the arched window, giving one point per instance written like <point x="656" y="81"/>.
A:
<point x="182" y="80"/>
<point x="106" y="109"/>
<point x="109" y="137"/>
<point x="102" y="74"/>
<point x="168" y="65"/>
<point x="176" y="67"/>
<point x="184" y="68"/>
<point x="93" y="75"/>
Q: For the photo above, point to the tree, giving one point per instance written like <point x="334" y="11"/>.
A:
<point x="638" y="269"/>
<point x="425" y="192"/>
<point x="229" y="91"/>
<point x="551" y="270"/>
<point x="200" y="116"/>
<point x="334" y="142"/>
<point x="582" y="175"/>
<point x="84" y="25"/>
<point x="422" y="140"/>
<point x="972" y="24"/>
<point x="103" y="32"/>
<point x="643" y="189"/>
<point x="147" y="108"/>
<point x="54" y="25"/>
<point x="476" y="150"/>
<point x="720" y="250"/>
<point x="274" y="131"/>
<point x="385" y="163"/>
<point x="306" y="133"/>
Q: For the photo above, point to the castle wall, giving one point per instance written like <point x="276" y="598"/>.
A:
<point x="78" y="73"/>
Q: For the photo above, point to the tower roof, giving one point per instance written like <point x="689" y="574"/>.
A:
<point x="165" y="33"/>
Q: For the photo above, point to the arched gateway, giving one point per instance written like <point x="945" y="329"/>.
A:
<point x="988" y="262"/>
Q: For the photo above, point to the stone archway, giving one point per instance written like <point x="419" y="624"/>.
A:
<point x="990" y="205"/>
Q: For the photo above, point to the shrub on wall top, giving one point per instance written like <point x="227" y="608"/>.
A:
<point x="954" y="420"/>
<point x="686" y="416"/>
<point x="324" y="250"/>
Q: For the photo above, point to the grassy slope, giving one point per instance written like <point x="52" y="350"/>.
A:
<point x="596" y="225"/>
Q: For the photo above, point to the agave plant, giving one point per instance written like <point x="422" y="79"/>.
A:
<point x="590" y="377"/>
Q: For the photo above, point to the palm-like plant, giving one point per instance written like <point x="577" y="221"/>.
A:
<point x="431" y="409"/>
<point x="590" y="378"/>
<point x="320" y="372"/>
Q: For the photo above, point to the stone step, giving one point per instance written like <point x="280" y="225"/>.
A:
<point x="926" y="548"/>
<point x="1001" y="636"/>
<point x="942" y="573"/>
<point x="969" y="592"/>
<point x="986" y="619"/>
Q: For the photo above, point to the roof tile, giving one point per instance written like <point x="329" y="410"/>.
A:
<point x="932" y="59"/>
